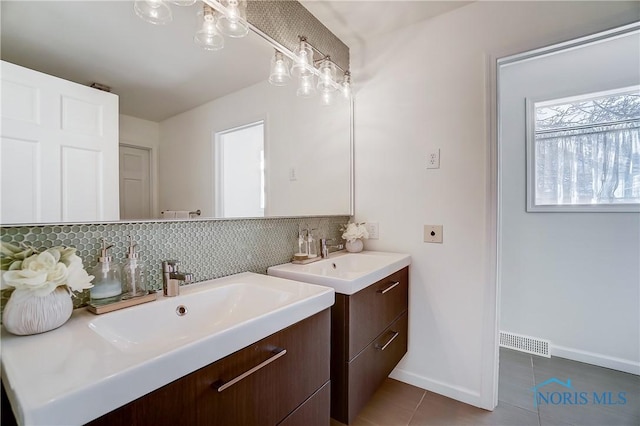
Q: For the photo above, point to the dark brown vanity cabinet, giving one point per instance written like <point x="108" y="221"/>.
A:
<point x="368" y="339"/>
<point x="284" y="379"/>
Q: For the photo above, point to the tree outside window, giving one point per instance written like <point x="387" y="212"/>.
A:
<point x="585" y="152"/>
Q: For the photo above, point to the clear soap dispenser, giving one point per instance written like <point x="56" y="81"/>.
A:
<point x="301" y="248"/>
<point x="312" y="245"/>
<point x="107" y="284"/>
<point x="133" y="273"/>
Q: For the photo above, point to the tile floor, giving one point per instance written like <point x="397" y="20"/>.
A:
<point x="400" y="404"/>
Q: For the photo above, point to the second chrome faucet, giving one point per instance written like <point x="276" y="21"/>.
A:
<point x="171" y="278"/>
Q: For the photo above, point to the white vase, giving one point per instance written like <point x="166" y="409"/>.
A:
<point x="26" y="313"/>
<point x="354" y="246"/>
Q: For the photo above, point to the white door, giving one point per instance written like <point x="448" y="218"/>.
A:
<point x="569" y="257"/>
<point x="59" y="150"/>
<point x="240" y="172"/>
<point x="135" y="187"/>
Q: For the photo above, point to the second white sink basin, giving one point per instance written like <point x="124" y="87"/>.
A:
<point x="347" y="273"/>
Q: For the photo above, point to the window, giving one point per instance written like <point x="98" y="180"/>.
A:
<point x="584" y="153"/>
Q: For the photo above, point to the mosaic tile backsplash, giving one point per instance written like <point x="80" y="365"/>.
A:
<point x="207" y="249"/>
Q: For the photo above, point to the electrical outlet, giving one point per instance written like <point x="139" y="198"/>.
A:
<point x="373" y="230"/>
<point x="433" y="233"/>
<point x="433" y="159"/>
<point x="292" y="174"/>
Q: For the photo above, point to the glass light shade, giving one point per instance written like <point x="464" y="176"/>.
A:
<point x="326" y="97"/>
<point x="207" y="35"/>
<point x="327" y="78"/>
<point x="233" y="22"/>
<point x="345" y="86"/>
<point x="279" y="75"/>
<point x="155" y="12"/>
<point x="306" y="88"/>
<point x="304" y="58"/>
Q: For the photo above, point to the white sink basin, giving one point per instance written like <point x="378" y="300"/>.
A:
<point x="347" y="273"/>
<point x="95" y="364"/>
<point x="190" y="316"/>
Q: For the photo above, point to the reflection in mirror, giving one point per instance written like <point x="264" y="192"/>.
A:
<point x="239" y="155"/>
<point x="177" y="103"/>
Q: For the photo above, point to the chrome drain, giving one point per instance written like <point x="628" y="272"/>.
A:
<point x="181" y="310"/>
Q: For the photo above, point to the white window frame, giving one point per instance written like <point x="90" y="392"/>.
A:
<point x="530" y="112"/>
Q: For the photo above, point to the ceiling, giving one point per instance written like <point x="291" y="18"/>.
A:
<point x="157" y="70"/>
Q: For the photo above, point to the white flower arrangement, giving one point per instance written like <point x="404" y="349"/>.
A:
<point x="41" y="272"/>
<point x="354" y="231"/>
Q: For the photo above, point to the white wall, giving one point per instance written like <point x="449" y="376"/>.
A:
<point x="427" y="87"/>
<point x="299" y="133"/>
<point x="570" y="278"/>
<point x="146" y="134"/>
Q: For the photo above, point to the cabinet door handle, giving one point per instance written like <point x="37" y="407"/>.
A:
<point x="277" y="354"/>
<point x="383" y="347"/>
<point x="391" y="287"/>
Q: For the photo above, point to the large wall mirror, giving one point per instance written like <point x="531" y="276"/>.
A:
<point x="197" y="130"/>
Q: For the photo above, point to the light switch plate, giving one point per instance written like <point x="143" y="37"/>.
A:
<point x="433" y="233"/>
<point x="373" y="230"/>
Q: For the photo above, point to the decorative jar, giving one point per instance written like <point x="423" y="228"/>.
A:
<point x="354" y="246"/>
<point x="26" y="313"/>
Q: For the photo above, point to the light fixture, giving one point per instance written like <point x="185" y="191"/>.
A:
<point x="229" y="18"/>
<point x="232" y="22"/>
<point x="156" y="12"/>
<point x="326" y="97"/>
<point x="279" y="75"/>
<point x="306" y="68"/>
<point x="327" y="77"/>
<point x="207" y="35"/>
<point x="303" y="53"/>
<point x="326" y="81"/>
<point x="345" y="86"/>
<point x="306" y="88"/>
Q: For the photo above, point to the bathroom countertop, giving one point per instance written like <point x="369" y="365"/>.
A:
<point x="73" y="374"/>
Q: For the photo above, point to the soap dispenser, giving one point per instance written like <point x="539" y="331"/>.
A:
<point x="133" y="273"/>
<point x="312" y="245"/>
<point x="301" y="248"/>
<point x="107" y="284"/>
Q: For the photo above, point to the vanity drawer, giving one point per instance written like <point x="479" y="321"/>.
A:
<point x="372" y="309"/>
<point x="373" y="365"/>
<point x="276" y="385"/>
<point x="314" y="411"/>
<point x="271" y="393"/>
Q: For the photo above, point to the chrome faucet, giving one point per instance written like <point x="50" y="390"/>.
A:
<point x="171" y="278"/>
<point x="325" y="248"/>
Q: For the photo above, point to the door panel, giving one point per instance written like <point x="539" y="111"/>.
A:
<point x="135" y="186"/>
<point x="74" y="130"/>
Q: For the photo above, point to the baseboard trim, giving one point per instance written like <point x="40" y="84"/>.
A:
<point x="601" y="360"/>
<point x="458" y="393"/>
